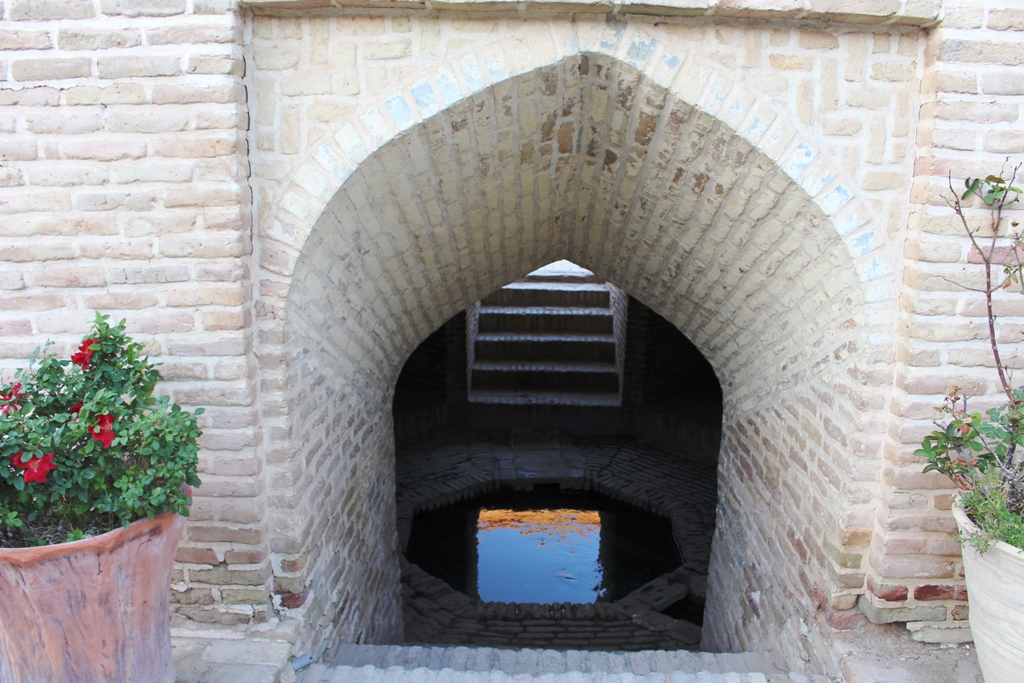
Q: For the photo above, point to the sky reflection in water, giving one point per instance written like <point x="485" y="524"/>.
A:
<point x="532" y="555"/>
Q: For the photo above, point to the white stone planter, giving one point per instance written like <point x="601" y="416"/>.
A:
<point x="995" y="588"/>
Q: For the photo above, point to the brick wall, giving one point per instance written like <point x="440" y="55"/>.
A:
<point x="123" y="166"/>
<point x="971" y="121"/>
<point x="747" y="180"/>
<point x="441" y="185"/>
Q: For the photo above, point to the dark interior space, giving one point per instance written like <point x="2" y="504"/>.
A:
<point x="669" y="392"/>
<point x="532" y="398"/>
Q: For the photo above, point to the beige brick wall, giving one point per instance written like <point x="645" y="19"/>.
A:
<point x="634" y="170"/>
<point x="123" y="171"/>
<point x="772" y="188"/>
<point x="971" y="120"/>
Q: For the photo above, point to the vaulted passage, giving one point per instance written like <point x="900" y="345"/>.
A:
<point x="598" y="165"/>
<point x="555" y="399"/>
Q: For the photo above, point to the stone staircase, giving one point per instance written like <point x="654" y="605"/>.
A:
<point x="414" y="664"/>
<point x="548" y="339"/>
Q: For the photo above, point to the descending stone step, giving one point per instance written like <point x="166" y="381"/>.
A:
<point x="549" y="319"/>
<point x="548" y="339"/>
<point x="398" y="663"/>
<point x="543" y="398"/>
<point x="536" y="376"/>
<point x="533" y="346"/>
<point x="369" y="674"/>
<point x="550" y="294"/>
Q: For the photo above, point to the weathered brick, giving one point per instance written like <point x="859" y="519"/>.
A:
<point x="105" y="150"/>
<point x="395" y="49"/>
<point x="142" y="8"/>
<point x="97" y="39"/>
<point x="48" y="69"/>
<point x="1006" y="19"/>
<point x="18" y="39"/>
<point x="1009" y="53"/>
<point x="122" y="93"/>
<point x="126" y="67"/>
<point x="275" y="56"/>
<point x="43" y="10"/>
<point x="68" y="276"/>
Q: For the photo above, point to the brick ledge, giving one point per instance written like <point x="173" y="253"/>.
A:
<point x="910" y="12"/>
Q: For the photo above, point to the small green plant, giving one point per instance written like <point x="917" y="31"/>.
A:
<point x="982" y="454"/>
<point x="86" y="447"/>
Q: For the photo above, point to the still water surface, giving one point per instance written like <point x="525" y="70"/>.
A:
<point x="543" y="546"/>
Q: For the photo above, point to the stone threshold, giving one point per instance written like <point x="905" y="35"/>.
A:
<point x="258" y="654"/>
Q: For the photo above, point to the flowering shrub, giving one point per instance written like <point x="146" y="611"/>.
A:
<point x="86" y="447"/>
<point x="984" y="454"/>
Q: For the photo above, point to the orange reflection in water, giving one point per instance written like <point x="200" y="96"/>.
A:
<point x="561" y="522"/>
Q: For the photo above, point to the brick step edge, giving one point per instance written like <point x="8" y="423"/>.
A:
<point x="371" y="674"/>
<point x="534" y="660"/>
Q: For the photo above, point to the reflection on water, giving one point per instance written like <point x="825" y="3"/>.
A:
<point x="543" y="546"/>
<point x="530" y="555"/>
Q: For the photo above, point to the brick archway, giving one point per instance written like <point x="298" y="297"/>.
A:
<point x="602" y="165"/>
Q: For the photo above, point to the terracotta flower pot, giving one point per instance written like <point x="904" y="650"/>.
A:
<point x="91" y="611"/>
<point x="995" y="586"/>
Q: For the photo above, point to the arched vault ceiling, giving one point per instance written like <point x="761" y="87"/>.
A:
<point x="588" y="160"/>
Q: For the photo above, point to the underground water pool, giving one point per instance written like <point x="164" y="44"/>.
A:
<point x="545" y="545"/>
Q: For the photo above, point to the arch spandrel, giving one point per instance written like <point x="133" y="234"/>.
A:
<point x="722" y="233"/>
<point x="690" y="78"/>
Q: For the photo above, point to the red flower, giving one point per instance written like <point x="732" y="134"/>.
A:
<point x="84" y="354"/>
<point x="36" y="468"/>
<point x="102" y="432"/>
<point x="75" y="408"/>
<point x="9" y="401"/>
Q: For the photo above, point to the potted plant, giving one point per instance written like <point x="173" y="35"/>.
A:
<point x="94" y="477"/>
<point x="984" y="456"/>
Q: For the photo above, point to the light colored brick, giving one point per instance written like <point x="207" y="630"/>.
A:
<point x="122" y="93"/>
<point x="103" y="150"/>
<point x="67" y="176"/>
<point x="153" y="172"/>
<point x="214" y="64"/>
<point x="68" y="276"/>
<point x="43" y="10"/>
<point x="142" y="8"/>
<point x="817" y="40"/>
<point x="981" y="112"/>
<point x="275" y="56"/>
<point x="1006" y="19"/>
<point x="982" y="51"/>
<point x="1003" y="141"/>
<point x="893" y="71"/>
<point x="192" y="94"/>
<point x="49" y="69"/>
<point x="1002" y="83"/>
<point x="395" y="49"/>
<point x="191" y="34"/>
<point x="148" y="120"/>
<point x="97" y="39"/>
<point x="18" y="39"/>
<point x="790" y="62"/>
<point x="126" y="67"/>
<point x="11" y="177"/>
<point x="64" y="124"/>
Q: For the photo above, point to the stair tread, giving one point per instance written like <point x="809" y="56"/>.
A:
<point x="544" y="337"/>
<point x="542" y="366"/>
<point x="541" y="397"/>
<point x="545" y="310"/>
<point x="584" y="665"/>
<point x="559" y="286"/>
<point x="368" y="674"/>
